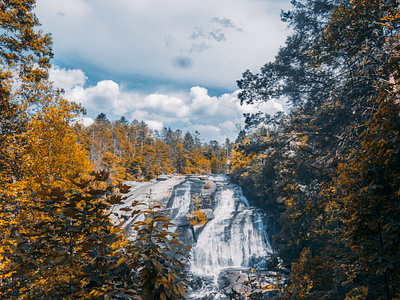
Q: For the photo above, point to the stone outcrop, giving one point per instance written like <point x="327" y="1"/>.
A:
<point x="263" y="284"/>
<point x="207" y="192"/>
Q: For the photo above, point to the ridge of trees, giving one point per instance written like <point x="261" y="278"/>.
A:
<point x="330" y="167"/>
<point x="131" y="151"/>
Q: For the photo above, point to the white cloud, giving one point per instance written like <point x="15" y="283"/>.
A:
<point x="204" y="42"/>
<point x="103" y="96"/>
<point x="165" y="105"/>
<point x="85" y="121"/>
<point x="67" y="79"/>
<point x="155" y="125"/>
<point x="214" y="117"/>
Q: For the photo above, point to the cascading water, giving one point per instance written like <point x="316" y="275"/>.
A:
<point x="182" y="200"/>
<point x="234" y="238"/>
<point x="230" y="246"/>
<point x="231" y="240"/>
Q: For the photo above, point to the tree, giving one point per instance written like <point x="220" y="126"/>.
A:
<point x="123" y="120"/>
<point x="102" y="118"/>
<point x="188" y="143"/>
<point x="114" y="165"/>
<point x="52" y="153"/>
<point x="157" y="255"/>
<point x="57" y="239"/>
<point x="197" y="142"/>
<point x="24" y="56"/>
<point x="333" y="68"/>
<point x="292" y="75"/>
<point x="369" y="200"/>
<point x="62" y="244"/>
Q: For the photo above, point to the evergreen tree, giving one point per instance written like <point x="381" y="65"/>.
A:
<point x="188" y="143"/>
<point x="369" y="200"/>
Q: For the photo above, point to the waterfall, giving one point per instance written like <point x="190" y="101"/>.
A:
<point x="182" y="198"/>
<point x="231" y="239"/>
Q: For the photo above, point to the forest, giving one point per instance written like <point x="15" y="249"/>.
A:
<point x="132" y="151"/>
<point x="330" y="168"/>
<point x="328" y="171"/>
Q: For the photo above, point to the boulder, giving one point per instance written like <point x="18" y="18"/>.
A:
<point x="209" y="213"/>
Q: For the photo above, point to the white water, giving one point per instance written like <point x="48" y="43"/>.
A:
<point x="234" y="238"/>
<point x="182" y="201"/>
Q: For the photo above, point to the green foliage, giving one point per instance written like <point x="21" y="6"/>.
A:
<point x="198" y="216"/>
<point x="57" y="240"/>
<point x="24" y="58"/>
<point x="157" y="255"/>
<point x="61" y="244"/>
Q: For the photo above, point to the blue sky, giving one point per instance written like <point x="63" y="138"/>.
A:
<point x="171" y="63"/>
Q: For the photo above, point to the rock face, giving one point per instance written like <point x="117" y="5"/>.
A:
<point x="206" y="193"/>
<point x="263" y="284"/>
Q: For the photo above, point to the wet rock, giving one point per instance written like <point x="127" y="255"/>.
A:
<point x="208" y="189"/>
<point x="209" y="213"/>
<point x="261" y="284"/>
<point x="266" y="294"/>
<point x="238" y="288"/>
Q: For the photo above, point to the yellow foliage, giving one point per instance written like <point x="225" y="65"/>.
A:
<point x="53" y="154"/>
<point x="197" y="217"/>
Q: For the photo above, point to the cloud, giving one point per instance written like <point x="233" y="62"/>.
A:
<point x="135" y="38"/>
<point x="214" y="34"/>
<point x="67" y="79"/>
<point x="169" y="41"/>
<point x="103" y="96"/>
<point x="182" y="62"/>
<point x="225" y="22"/>
<point x="154" y="125"/>
<point x="199" y="47"/>
<point x="85" y="121"/>
<point x="214" y="117"/>
<point x="217" y="29"/>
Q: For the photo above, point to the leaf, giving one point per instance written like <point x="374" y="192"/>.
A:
<point x="364" y="290"/>
<point x="120" y="261"/>
<point x="115" y="199"/>
<point x="124" y="189"/>
<point x="73" y="229"/>
<point x="69" y="212"/>
<point x="145" y="256"/>
<point x="125" y="209"/>
<point x="156" y="264"/>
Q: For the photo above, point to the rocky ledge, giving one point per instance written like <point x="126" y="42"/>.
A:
<point x="258" y="284"/>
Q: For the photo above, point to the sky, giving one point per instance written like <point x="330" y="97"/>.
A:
<point x="171" y="63"/>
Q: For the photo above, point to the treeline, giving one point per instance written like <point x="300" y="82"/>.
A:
<point x="330" y="169"/>
<point x="57" y="238"/>
<point x="132" y="151"/>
